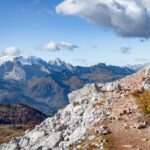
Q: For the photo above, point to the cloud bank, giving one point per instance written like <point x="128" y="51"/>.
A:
<point x="54" y="46"/>
<point x="129" y="18"/>
<point x="8" y="54"/>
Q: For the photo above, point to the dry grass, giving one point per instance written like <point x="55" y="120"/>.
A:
<point x="143" y="100"/>
<point x="7" y="132"/>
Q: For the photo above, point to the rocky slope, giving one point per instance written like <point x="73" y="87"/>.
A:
<point x="99" y="116"/>
<point x="45" y="85"/>
<point x="20" y="114"/>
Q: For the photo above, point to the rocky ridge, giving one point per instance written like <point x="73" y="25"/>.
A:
<point x="96" y="113"/>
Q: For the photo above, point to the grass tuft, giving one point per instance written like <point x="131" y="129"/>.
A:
<point x="8" y="132"/>
<point x="143" y="100"/>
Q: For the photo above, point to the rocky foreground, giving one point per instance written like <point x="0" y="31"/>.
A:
<point x="99" y="116"/>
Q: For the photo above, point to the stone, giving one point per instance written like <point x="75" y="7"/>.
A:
<point x="34" y="136"/>
<point x="78" y="110"/>
<point x="77" y="134"/>
<point x="15" y="140"/>
<point x="88" y="115"/>
<point x="57" y="116"/>
<point x="141" y="125"/>
<point x="53" y="139"/>
<point x="145" y="139"/>
<point x="103" y="130"/>
<point x="125" y="111"/>
<point x="23" y="142"/>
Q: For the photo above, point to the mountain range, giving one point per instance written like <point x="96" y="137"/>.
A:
<point x="45" y="85"/>
<point x="99" y="116"/>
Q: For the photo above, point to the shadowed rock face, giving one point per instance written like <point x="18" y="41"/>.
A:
<point x="20" y="114"/>
<point x="45" y="86"/>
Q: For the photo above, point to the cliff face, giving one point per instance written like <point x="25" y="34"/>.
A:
<point x="99" y="116"/>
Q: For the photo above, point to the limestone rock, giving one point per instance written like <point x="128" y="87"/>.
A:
<point x="53" y="139"/>
<point x="77" y="134"/>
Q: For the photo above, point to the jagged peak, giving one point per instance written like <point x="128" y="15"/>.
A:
<point x="60" y="63"/>
<point x="29" y="60"/>
<point x="35" y="60"/>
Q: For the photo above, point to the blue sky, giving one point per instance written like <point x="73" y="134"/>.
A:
<point x="29" y="24"/>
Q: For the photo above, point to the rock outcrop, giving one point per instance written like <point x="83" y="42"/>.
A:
<point x="95" y="112"/>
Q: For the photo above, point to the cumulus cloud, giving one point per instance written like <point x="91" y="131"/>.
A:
<point x="54" y="46"/>
<point x="129" y="18"/>
<point x="125" y="50"/>
<point x="11" y="51"/>
<point x="8" y="54"/>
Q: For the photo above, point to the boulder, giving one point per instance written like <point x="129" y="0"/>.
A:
<point x="77" y="134"/>
<point x="53" y="139"/>
<point x="78" y="110"/>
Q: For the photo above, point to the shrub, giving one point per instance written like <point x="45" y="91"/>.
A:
<point x="143" y="100"/>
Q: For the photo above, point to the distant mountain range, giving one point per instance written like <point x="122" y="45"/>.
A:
<point x="137" y="67"/>
<point x="45" y="85"/>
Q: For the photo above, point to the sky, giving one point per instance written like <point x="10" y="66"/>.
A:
<point x="80" y="32"/>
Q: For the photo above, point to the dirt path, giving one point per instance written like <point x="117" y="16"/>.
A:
<point x="125" y="135"/>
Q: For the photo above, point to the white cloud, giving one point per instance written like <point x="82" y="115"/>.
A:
<point x="8" y="54"/>
<point x="54" y="46"/>
<point x="129" y="18"/>
<point x="11" y="51"/>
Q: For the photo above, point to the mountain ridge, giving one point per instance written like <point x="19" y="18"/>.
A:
<point x="45" y="85"/>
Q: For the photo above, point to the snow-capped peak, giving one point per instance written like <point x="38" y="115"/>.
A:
<point x="59" y="63"/>
<point x="28" y="61"/>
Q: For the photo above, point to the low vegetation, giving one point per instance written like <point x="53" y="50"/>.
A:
<point x="143" y="100"/>
<point x="7" y="132"/>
